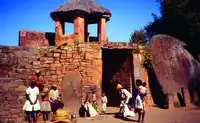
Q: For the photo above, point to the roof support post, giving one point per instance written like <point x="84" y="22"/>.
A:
<point x="79" y="28"/>
<point x="58" y="30"/>
<point x="102" y="30"/>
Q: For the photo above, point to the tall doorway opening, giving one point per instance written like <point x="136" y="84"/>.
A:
<point x="117" y="69"/>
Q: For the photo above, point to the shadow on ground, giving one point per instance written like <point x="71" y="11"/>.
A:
<point x="124" y="118"/>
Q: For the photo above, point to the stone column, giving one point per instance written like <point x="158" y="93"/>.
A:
<point x="187" y="99"/>
<point x="171" y="100"/>
<point x="102" y="30"/>
<point x="58" y="30"/>
<point x="79" y="25"/>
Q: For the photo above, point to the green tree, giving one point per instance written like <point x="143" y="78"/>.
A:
<point x="180" y="19"/>
<point x="139" y="37"/>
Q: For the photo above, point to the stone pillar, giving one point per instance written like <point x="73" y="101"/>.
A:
<point x="171" y="101"/>
<point x="58" y="30"/>
<point x="79" y="25"/>
<point x="187" y="99"/>
<point x="102" y="30"/>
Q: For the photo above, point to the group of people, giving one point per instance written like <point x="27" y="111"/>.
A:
<point x="137" y="101"/>
<point x="46" y="101"/>
<point x="89" y="108"/>
<point x="130" y="103"/>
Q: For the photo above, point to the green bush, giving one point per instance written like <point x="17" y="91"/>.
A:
<point x="147" y="61"/>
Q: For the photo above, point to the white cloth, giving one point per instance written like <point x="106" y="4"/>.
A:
<point x="126" y="95"/>
<point x="127" y="112"/>
<point x="104" y="106"/>
<point x="104" y="99"/>
<point x="32" y="93"/>
<point x="91" y="110"/>
<point x="104" y="102"/>
<point x="53" y="94"/>
<point x="138" y="102"/>
<point x="142" y="89"/>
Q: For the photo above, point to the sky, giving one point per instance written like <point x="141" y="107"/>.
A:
<point x="127" y="16"/>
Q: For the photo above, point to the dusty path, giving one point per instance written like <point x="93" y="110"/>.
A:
<point x="154" y="115"/>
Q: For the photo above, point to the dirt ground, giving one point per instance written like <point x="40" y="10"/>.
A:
<point x="153" y="115"/>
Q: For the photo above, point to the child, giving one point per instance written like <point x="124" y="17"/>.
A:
<point x="142" y="90"/>
<point x="94" y="102"/>
<point x="45" y="104"/>
<point x="104" y="102"/>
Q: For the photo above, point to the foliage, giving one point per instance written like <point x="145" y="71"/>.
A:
<point x="147" y="60"/>
<point x="139" y="37"/>
<point x="137" y="50"/>
<point x="180" y="19"/>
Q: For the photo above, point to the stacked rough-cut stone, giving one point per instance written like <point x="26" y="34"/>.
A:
<point x="18" y="64"/>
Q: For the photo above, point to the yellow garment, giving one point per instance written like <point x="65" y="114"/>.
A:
<point x="60" y="115"/>
<point x="119" y="86"/>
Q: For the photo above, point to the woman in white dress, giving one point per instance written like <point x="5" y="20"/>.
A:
<point x="32" y="104"/>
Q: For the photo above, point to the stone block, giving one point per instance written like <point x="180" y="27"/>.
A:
<point x="69" y="55"/>
<point x="58" y="72"/>
<point x="57" y="62"/>
<point x="52" y="72"/>
<point x="15" y="111"/>
<point x="43" y="58"/>
<point x="50" y="59"/>
<point x="64" y="51"/>
<point x="49" y="54"/>
<point x="54" y="76"/>
<point x="20" y="88"/>
<point x="56" y="54"/>
<point x="53" y="65"/>
<point x="36" y="63"/>
<point x="46" y="65"/>
<point x="63" y="56"/>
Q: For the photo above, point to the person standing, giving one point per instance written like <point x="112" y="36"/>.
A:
<point x="45" y="104"/>
<point x="54" y="99"/>
<point x="140" y="100"/>
<point x="32" y="105"/>
<point x="104" y="101"/>
<point x="125" y="95"/>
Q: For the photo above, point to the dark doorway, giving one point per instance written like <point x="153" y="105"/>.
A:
<point x="117" y="68"/>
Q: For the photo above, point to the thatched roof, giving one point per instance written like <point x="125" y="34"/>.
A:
<point x="89" y="8"/>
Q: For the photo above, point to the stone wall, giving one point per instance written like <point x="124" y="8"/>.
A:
<point x="18" y="64"/>
<point x="34" y="38"/>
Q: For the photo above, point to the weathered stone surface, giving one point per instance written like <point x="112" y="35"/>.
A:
<point x="53" y="63"/>
<point x="34" y="38"/>
<point x="174" y="66"/>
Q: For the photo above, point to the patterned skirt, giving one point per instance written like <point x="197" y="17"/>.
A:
<point x="45" y="106"/>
